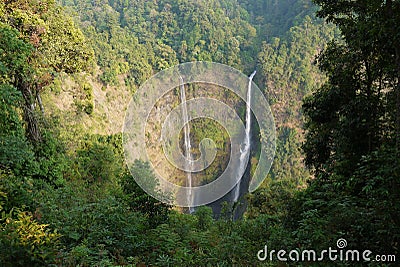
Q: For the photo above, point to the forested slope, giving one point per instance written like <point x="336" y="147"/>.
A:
<point x="135" y="39"/>
<point x="68" y="70"/>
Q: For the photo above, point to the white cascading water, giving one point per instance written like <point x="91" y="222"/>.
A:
<point x="186" y="133"/>
<point x="246" y="147"/>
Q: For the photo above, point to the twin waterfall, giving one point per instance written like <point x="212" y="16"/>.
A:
<point x="245" y="149"/>
<point x="186" y="133"/>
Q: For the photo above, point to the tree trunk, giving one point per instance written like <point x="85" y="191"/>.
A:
<point x="32" y="125"/>
<point x="39" y="99"/>
<point x="397" y="105"/>
<point x="398" y="114"/>
<point x="389" y="10"/>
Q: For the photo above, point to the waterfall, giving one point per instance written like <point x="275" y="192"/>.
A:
<point x="186" y="135"/>
<point x="245" y="149"/>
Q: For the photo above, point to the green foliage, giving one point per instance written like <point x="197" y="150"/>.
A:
<point x="95" y="225"/>
<point x="15" y="152"/>
<point x="349" y="131"/>
<point x="13" y="54"/>
<point x="16" y="192"/>
<point x="84" y="191"/>
<point x="64" y="47"/>
<point x="273" y="198"/>
<point x="288" y="164"/>
<point x="288" y="74"/>
<point x="60" y="44"/>
<point x="275" y="18"/>
<point x="206" y="128"/>
<point x="51" y="160"/>
<point x="204" y="217"/>
<point x="47" y="42"/>
<point x="362" y="76"/>
<point x="185" y="241"/>
<point x="24" y="241"/>
<point x="97" y="162"/>
<point x="138" y="38"/>
<point x="140" y="201"/>
<point x="89" y="101"/>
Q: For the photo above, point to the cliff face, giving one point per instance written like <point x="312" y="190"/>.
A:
<point x="200" y="129"/>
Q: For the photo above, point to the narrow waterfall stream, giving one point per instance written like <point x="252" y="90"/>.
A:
<point x="245" y="149"/>
<point x="187" y="145"/>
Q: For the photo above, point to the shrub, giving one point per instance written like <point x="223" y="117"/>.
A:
<point x="25" y="242"/>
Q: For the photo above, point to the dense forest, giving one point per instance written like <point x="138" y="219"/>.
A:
<point x="68" y="69"/>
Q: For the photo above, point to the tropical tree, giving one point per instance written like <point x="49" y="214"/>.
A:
<point x="49" y="43"/>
